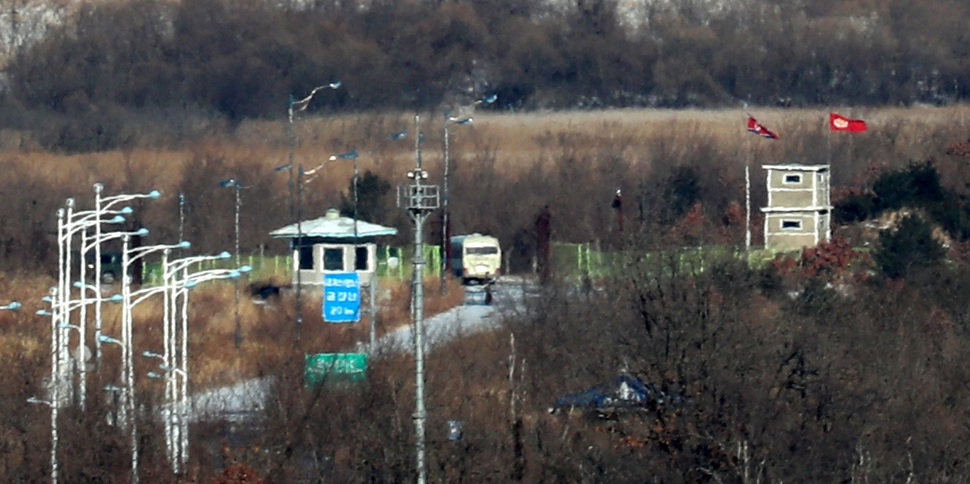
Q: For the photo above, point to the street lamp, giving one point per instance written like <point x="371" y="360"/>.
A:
<point x="69" y="223"/>
<point x="445" y="227"/>
<point x="238" y="187"/>
<point x="53" y="400"/>
<point x="52" y="403"/>
<point x="128" y="256"/>
<point x="294" y="107"/>
<point x="353" y="155"/>
<point x="175" y="276"/>
<point x="127" y="410"/>
<point x="12" y="306"/>
<point x="133" y="299"/>
<point x="179" y="428"/>
<point x="101" y="204"/>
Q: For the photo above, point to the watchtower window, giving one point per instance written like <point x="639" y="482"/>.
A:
<point x="793" y="179"/>
<point x="791" y="224"/>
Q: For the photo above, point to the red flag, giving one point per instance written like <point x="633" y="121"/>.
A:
<point x="838" y="122"/>
<point x="755" y="127"/>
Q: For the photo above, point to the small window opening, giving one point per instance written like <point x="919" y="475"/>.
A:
<point x="360" y="259"/>
<point x="333" y="259"/>
<point x="306" y="258"/>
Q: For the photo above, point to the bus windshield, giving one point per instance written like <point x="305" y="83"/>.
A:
<point x="481" y="250"/>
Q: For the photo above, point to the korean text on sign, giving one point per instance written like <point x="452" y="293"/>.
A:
<point x="341" y="297"/>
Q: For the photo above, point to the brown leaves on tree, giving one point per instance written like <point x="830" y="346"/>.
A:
<point x="960" y="148"/>
<point x="832" y="260"/>
<point x="239" y="473"/>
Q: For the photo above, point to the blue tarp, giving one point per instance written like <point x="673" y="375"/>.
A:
<point x="624" y="391"/>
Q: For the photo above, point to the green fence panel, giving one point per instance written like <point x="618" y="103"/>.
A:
<point x="264" y="267"/>
<point x="405" y="258"/>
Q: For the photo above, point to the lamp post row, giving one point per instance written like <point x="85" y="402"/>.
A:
<point x="62" y="386"/>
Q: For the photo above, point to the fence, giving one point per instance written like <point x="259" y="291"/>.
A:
<point x="279" y="267"/>
<point x="568" y="259"/>
<point x="405" y="261"/>
<point x="579" y="259"/>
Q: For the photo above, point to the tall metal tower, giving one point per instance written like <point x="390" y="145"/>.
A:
<point x="419" y="199"/>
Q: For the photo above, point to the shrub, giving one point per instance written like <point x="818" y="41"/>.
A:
<point x="908" y="248"/>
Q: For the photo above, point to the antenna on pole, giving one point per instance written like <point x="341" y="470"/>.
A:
<point x="419" y="199"/>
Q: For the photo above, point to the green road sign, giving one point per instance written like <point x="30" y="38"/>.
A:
<point x="335" y="367"/>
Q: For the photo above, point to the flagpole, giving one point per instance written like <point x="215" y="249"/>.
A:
<point x="760" y="130"/>
<point x="747" y="198"/>
<point x="828" y="140"/>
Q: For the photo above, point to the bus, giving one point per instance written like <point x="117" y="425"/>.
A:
<point x="475" y="258"/>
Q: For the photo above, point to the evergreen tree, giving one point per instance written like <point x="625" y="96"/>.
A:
<point x="909" y="248"/>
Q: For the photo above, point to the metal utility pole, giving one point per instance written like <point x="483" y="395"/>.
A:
<point x="238" y="336"/>
<point x="445" y="223"/>
<point x="296" y="179"/>
<point x="299" y="253"/>
<point x="419" y="199"/>
<point x="445" y="243"/>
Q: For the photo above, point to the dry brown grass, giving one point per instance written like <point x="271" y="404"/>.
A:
<point x="269" y="332"/>
<point x="519" y="140"/>
<point x="268" y="329"/>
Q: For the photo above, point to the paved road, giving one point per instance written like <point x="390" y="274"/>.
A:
<point x="247" y="398"/>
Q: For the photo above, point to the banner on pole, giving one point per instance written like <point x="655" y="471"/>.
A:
<point x="341" y="297"/>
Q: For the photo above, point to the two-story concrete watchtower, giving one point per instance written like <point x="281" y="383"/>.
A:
<point x="799" y="211"/>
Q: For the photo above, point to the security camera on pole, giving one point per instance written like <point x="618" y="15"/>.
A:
<point x="419" y="199"/>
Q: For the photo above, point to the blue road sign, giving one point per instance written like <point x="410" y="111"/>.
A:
<point x="341" y="297"/>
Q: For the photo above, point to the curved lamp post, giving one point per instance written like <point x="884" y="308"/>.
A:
<point x="175" y="354"/>
<point x="131" y="299"/>
<point x="445" y="223"/>
<point x="71" y="223"/>
<point x="179" y="427"/>
<point x="353" y="155"/>
<point x="12" y="306"/>
<point x="53" y="400"/>
<point x="102" y="203"/>
<point x="238" y="187"/>
<point x="294" y="107"/>
<point x="52" y="403"/>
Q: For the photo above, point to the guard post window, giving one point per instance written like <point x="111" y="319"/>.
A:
<point x="306" y="257"/>
<point x="360" y="259"/>
<point x="333" y="259"/>
<point x="791" y="224"/>
<point x="793" y="179"/>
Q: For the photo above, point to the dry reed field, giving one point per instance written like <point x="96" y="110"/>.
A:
<point x="517" y="138"/>
<point x="514" y="141"/>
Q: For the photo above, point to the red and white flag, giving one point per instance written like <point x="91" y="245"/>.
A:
<point x="837" y="122"/>
<point x="755" y="127"/>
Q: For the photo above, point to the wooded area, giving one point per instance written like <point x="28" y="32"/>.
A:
<point x="112" y="66"/>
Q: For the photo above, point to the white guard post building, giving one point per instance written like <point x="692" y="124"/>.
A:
<point x="329" y="244"/>
<point x="799" y="211"/>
